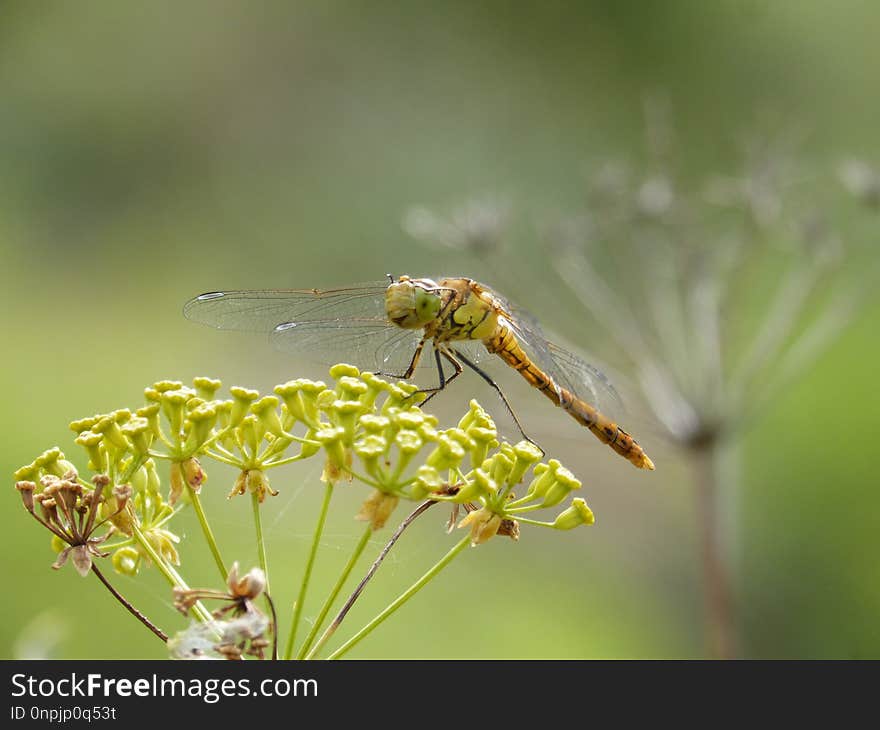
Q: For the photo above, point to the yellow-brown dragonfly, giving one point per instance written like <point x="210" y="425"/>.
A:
<point x="383" y="325"/>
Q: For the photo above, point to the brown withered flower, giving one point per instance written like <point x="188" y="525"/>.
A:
<point x="70" y="512"/>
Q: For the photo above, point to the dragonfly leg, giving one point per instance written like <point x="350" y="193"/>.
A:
<point x="412" y="365"/>
<point x="444" y="381"/>
<point x="485" y="376"/>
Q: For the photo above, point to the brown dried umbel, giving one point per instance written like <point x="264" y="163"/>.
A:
<point x="70" y="512"/>
<point x="237" y="637"/>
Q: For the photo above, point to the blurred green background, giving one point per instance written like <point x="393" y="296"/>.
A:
<point x="149" y="152"/>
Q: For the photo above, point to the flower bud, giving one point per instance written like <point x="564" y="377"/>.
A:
<point x="341" y="370"/>
<point x="126" y="561"/>
<point x="482" y="439"/>
<point x="427" y="482"/>
<point x="331" y="439"/>
<point x="563" y="484"/>
<point x="477" y="416"/>
<point x="525" y="454"/>
<point x="480" y="486"/>
<point x="139" y="433"/>
<point x="370" y="449"/>
<point x="446" y="455"/>
<point x="300" y="397"/>
<point x="410" y="419"/>
<point x="28" y="472"/>
<point x="266" y="410"/>
<point x="201" y="421"/>
<point x="409" y="442"/>
<point x="249" y="433"/>
<point x="576" y="514"/>
<point x="163" y="541"/>
<point x="92" y="443"/>
<point x="173" y="403"/>
<point x="241" y="403"/>
<point x="372" y="423"/>
<point x="151" y="395"/>
<point x="206" y="388"/>
<point x="345" y="413"/>
<point x="53" y="461"/>
<point x="402" y="395"/>
<point x="543" y="478"/>
<point x="351" y="387"/>
<point x="499" y="467"/>
<point x="153" y="481"/>
<point x="151" y="414"/>
<point x="83" y="424"/>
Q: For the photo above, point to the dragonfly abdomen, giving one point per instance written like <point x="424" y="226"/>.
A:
<point x="504" y="344"/>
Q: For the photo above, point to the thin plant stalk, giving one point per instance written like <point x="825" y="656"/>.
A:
<point x="171" y="575"/>
<point x="402" y="598"/>
<point x="261" y="544"/>
<point x="328" y="604"/>
<point x="128" y="607"/>
<point x="307" y="573"/>
<point x="206" y="529"/>
<point x="721" y="633"/>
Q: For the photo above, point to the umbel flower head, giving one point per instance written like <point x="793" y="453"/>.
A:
<point x="365" y="428"/>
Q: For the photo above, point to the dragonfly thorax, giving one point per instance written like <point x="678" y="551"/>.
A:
<point x="412" y="303"/>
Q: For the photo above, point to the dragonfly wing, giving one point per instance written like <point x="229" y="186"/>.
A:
<point x="587" y="377"/>
<point x="327" y="326"/>
<point x="370" y="343"/>
<point x="263" y="310"/>
<point x="569" y="371"/>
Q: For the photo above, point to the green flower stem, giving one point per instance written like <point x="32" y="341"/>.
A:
<point x="206" y="529"/>
<point x="163" y="437"/>
<point x="526" y="521"/>
<point x="512" y="508"/>
<point x="261" y="545"/>
<point x="215" y="438"/>
<point x="216" y="456"/>
<point x="171" y="575"/>
<point x="282" y="462"/>
<point x="365" y="479"/>
<point x="300" y="439"/>
<point x="402" y="598"/>
<point x="136" y="463"/>
<point x="343" y="612"/>
<point x="346" y="571"/>
<point x="307" y="574"/>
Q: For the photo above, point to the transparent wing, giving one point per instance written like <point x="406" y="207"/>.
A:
<point x="590" y="383"/>
<point x="327" y="326"/>
<point x="370" y="343"/>
<point x="262" y="310"/>
<point x="571" y="372"/>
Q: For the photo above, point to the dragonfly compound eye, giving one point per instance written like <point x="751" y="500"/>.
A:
<point x="411" y="306"/>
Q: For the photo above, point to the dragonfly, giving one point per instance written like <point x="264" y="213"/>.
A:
<point x="387" y="325"/>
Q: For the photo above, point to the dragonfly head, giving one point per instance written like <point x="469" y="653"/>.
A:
<point x="412" y="303"/>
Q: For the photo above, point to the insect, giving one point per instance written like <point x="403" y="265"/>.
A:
<point x="388" y="323"/>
